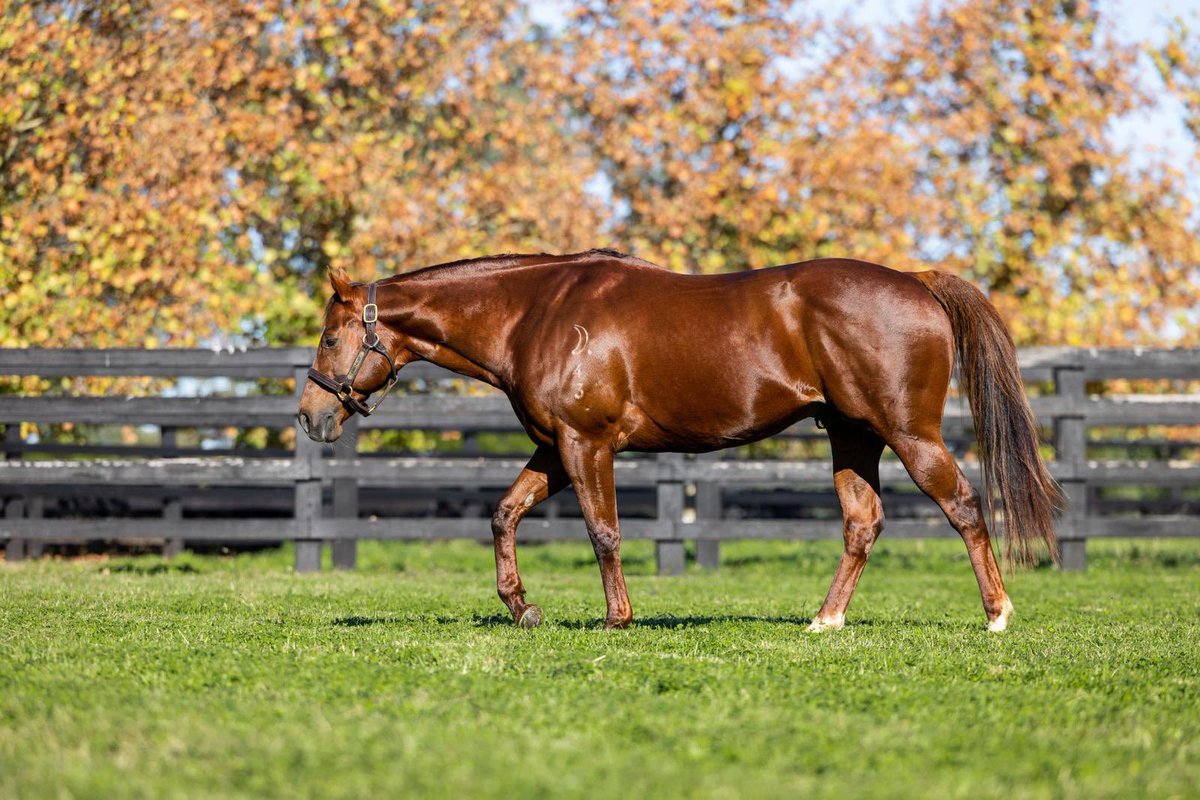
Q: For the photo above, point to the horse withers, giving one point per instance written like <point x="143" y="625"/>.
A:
<point x="601" y="352"/>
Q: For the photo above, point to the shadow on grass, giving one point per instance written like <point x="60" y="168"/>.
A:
<point x="670" y="621"/>
<point x="662" y="622"/>
<point x="505" y="621"/>
<point x="152" y="569"/>
<point x="494" y="621"/>
<point x="667" y="622"/>
<point x="358" y="622"/>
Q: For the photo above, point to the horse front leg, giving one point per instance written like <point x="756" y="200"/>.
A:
<point x="542" y="477"/>
<point x="590" y="468"/>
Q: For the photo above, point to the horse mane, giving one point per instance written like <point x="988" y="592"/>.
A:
<point x="506" y="260"/>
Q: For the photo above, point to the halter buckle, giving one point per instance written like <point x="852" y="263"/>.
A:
<point x="370" y="313"/>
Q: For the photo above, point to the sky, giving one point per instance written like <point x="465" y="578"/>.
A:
<point x="1159" y="129"/>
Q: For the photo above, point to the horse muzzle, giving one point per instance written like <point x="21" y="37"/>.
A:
<point x="323" y="428"/>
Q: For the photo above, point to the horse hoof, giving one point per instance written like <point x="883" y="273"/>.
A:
<point x="1000" y="623"/>
<point x="819" y="625"/>
<point x="617" y="624"/>
<point x="531" y="617"/>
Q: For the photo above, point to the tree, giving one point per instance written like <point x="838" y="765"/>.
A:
<point x="730" y="136"/>
<point x="177" y="172"/>
<point x="108" y="231"/>
<point x="1009" y="104"/>
<point x="1178" y="63"/>
<point x="174" y="172"/>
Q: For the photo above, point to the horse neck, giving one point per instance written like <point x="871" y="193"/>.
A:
<point x="457" y="319"/>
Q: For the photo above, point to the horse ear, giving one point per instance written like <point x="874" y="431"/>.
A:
<point x="341" y="283"/>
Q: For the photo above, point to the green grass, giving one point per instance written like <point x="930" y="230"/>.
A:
<point x="232" y="677"/>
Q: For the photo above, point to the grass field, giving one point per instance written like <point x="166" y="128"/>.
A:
<point x="233" y="677"/>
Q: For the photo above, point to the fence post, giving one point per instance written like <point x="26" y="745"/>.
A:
<point x="35" y="510"/>
<point x="308" y="508"/>
<point x="308" y="491"/>
<point x="172" y="512"/>
<point x="15" y="509"/>
<point x="345" y="503"/>
<point x="13" y="441"/>
<point x="345" y="506"/>
<point x="15" y="551"/>
<point x="173" y="505"/>
<point x="1070" y="442"/>
<point x="670" y="553"/>
<point x="708" y="507"/>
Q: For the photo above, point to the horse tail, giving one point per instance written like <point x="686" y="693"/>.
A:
<point x="1004" y="422"/>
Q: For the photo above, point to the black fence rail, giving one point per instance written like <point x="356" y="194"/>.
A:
<point x="1129" y="461"/>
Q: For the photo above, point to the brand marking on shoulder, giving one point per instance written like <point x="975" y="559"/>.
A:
<point x="584" y="337"/>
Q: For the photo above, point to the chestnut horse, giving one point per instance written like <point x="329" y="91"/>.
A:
<point x="601" y="352"/>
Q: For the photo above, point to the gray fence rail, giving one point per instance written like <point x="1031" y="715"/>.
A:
<point x="701" y="499"/>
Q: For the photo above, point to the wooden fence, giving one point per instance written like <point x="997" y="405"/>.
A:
<point x="312" y="494"/>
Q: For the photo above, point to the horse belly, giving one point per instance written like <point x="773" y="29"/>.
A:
<point x="712" y="418"/>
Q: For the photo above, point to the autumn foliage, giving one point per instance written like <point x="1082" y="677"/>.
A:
<point x="175" y="173"/>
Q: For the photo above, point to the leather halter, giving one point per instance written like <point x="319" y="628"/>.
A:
<point x="344" y="389"/>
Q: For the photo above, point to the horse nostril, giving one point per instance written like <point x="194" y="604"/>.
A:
<point x="327" y="428"/>
<point x="305" y="422"/>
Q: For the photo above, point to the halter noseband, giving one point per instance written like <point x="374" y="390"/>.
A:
<point x="344" y="389"/>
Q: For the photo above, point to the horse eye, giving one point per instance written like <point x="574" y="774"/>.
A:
<point x="331" y="341"/>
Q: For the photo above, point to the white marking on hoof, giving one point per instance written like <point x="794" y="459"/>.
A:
<point x="1000" y="623"/>
<point x="584" y="337"/>
<point x="831" y="624"/>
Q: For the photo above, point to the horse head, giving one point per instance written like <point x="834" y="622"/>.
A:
<point x="356" y="358"/>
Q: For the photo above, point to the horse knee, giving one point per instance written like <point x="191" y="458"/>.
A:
<point x="861" y="530"/>
<point x="505" y="519"/>
<point x="966" y="511"/>
<point x="606" y="542"/>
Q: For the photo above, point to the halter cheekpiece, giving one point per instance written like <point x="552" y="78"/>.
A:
<point x="344" y="389"/>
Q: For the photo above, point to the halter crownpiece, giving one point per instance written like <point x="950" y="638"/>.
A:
<point x="344" y="389"/>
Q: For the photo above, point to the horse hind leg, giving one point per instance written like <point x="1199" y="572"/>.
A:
<point x="936" y="473"/>
<point x="542" y="477"/>
<point x="856" y="453"/>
